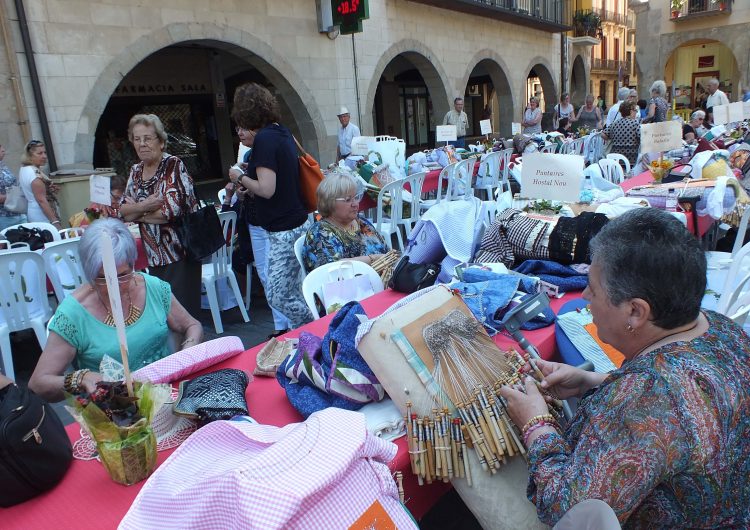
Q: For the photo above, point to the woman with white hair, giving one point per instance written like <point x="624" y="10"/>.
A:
<point x="82" y="329"/>
<point x="657" y="105"/>
<point x="342" y="233"/>
<point x="694" y="129"/>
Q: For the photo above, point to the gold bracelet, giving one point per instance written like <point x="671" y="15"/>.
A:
<point x="546" y="418"/>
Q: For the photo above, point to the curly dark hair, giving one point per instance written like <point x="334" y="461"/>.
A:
<point x="254" y="107"/>
<point x="626" y="107"/>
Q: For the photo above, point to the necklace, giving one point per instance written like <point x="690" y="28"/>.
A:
<point x="350" y="229"/>
<point x="659" y="342"/>
<point x="134" y="313"/>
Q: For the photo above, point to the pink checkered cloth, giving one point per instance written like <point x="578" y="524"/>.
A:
<point x="181" y="364"/>
<point x="323" y="473"/>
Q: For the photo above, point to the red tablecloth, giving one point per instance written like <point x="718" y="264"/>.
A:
<point x="88" y="497"/>
<point x="704" y="222"/>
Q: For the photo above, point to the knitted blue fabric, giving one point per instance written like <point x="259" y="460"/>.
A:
<point x="566" y="278"/>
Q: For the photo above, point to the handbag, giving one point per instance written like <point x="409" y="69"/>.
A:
<point x="310" y="176"/>
<point x="410" y="277"/>
<point x="218" y="395"/>
<point x="34" y="237"/>
<point x="35" y="450"/>
<point x="200" y="231"/>
<point x="15" y="200"/>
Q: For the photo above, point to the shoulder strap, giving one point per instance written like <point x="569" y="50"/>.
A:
<point x="299" y="146"/>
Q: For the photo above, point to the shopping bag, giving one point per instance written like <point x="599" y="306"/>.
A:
<point x="15" y="201"/>
<point x="338" y="293"/>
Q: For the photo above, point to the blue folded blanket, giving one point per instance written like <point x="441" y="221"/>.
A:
<point x="566" y="278"/>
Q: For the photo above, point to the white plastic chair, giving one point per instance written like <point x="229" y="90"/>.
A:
<point x="594" y="149"/>
<point x="446" y="174"/>
<point x="221" y="194"/>
<point x="459" y="187"/>
<point x="507" y="154"/>
<point x="220" y="268"/>
<point x="491" y="179"/>
<point x="574" y="148"/>
<point x="38" y="224"/>
<point x="621" y="158"/>
<point x="23" y="300"/>
<point x="389" y="226"/>
<point x="734" y="288"/>
<point x="73" y="231"/>
<point x="63" y="266"/>
<point x="331" y="272"/>
<point x="549" y="148"/>
<point x="299" y="246"/>
<point x="611" y="170"/>
<point x="412" y="196"/>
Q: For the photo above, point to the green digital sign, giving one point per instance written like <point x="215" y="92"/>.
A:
<point x="349" y="14"/>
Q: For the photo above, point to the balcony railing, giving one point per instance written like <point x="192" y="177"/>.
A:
<point x="698" y="8"/>
<point x="610" y="65"/>
<point x="546" y="15"/>
<point x="611" y="16"/>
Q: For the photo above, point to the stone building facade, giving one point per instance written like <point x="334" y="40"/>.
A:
<point x="92" y="56"/>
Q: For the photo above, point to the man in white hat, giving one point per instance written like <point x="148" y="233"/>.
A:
<point x="346" y="133"/>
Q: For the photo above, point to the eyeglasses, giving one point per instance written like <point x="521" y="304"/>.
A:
<point x="122" y="279"/>
<point x="143" y="139"/>
<point x="351" y="199"/>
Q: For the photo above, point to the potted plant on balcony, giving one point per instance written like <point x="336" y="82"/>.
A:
<point x="587" y="24"/>
<point x="676" y="6"/>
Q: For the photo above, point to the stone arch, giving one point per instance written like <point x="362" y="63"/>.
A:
<point x="429" y="68"/>
<point x="579" y="82"/>
<point x="274" y="67"/>
<point x="498" y="72"/>
<point x="544" y="70"/>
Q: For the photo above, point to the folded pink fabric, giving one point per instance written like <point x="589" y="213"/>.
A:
<point x="183" y="363"/>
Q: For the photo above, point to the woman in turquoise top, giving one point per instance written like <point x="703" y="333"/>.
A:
<point x="82" y="330"/>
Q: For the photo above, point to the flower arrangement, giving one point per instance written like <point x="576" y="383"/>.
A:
<point x="659" y="168"/>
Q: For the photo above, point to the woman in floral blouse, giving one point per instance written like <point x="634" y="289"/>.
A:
<point x="342" y="233"/>
<point x="665" y="439"/>
<point x="7" y="179"/>
<point x="158" y="190"/>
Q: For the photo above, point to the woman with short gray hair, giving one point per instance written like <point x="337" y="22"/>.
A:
<point x="657" y="105"/>
<point x="670" y="426"/>
<point x="82" y="330"/>
<point x="694" y="129"/>
<point x="342" y="233"/>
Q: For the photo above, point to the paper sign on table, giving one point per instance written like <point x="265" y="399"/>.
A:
<point x="485" y="127"/>
<point x="445" y="133"/>
<point x="99" y="190"/>
<point x="721" y="114"/>
<point x="359" y="145"/>
<point x="552" y="176"/>
<point x="515" y="128"/>
<point x="736" y="112"/>
<point x="662" y="136"/>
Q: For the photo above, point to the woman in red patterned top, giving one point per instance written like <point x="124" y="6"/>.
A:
<point x="158" y="189"/>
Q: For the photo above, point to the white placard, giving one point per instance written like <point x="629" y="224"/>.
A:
<point x="359" y="145"/>
<point x="485" y="127"/>
<point x="99" y="191"/>
<point x="552" y="176"/>
<point x="515" y="128"/>
<point x="662" y="136"/>
<point x="445" y="133"/>
<point x="736" y="112"/>
<point x="721" y="114"/>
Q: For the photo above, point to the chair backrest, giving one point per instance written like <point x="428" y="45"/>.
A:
<point x="412" y="193"/>
<point x="595" y="148"/>
<point x="611" y="170"/>
<point x="549" y="148"/>
<point x="739" y="241"/>
<point x="459" y="187"/>
<point x="73" y="231"/>
<point x="574" y="147"/>
<point x="299" y="246"/>
<point x="222" y="258"/>
<point x="23" y="289"/>
<point x="331" y="272"/>
<point x="446" y="174"/>
<point x="733" y="288"/>
<point x="40" y="225"/>
<point x="492" y="176"/>
<point x="63" y="266"/>
<point x="221" y="194"/>
<point x="621" y="159"/>
<point x="391" y="194"/>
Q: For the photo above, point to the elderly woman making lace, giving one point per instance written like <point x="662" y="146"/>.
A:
<point x="665" y="439"/>
<point x="342" y="233"/>
<point x="82" y="329"/>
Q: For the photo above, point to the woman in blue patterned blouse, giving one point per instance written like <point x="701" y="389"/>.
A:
<point x="664" y="439"/>
<point x="341" y="233"/>
<point x="7" y="179"/>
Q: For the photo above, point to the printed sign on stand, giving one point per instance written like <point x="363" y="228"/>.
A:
<point x="551" y="176"/>
<point x="721" y="114"/>
<point x="485" y="127"/>
<point x="99" y="190"/>
<point x="445" y="133"/>
<point x="662" y="136"/>
<point x="515" y="128"/>
<point x="736" y="112"/>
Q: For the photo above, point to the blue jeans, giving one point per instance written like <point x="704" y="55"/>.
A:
<point x="459" y="142"/>
<point x="5" y="222"/>
<point x="261" y="246"/>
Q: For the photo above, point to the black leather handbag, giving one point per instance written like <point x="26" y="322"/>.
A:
<point x="411" y="277"/>
<point x="200" y="231"/>
<point x="35" y="450"/>
<point x="218" y="395"/>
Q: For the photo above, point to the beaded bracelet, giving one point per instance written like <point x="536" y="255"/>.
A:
<point x="73" y="381"/>
<point x="535" y="427"/>
<point x="536" y="419"/>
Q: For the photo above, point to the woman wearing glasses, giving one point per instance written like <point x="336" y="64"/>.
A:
<point x="158" y="191"/>
<point x="342" y="233"/>
<point x="82" y="330"/>
<point x="272" y="176"/>
<point x="40" y="192"/>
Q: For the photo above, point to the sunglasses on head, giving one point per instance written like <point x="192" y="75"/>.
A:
<point x="33" y="143"/>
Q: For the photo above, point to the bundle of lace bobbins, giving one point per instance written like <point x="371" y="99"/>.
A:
<point x="384" y="265"/>
<point x="476" y="418"/>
